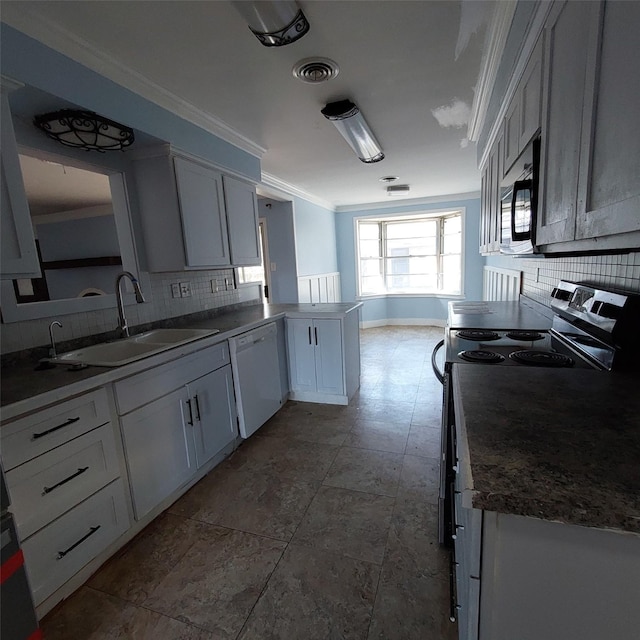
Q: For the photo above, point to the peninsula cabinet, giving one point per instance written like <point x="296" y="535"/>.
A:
<point x="193" y="217"/>
<point x="174" y="419"/>
<point x="324" y="358"/>
<point x="18" y="253"/>
<point x="590" y="193"/>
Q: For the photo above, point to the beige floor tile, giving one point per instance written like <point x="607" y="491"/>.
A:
<point x="321" y="431"/>
<point x="424" y="441"/>
<point x="260" y="503"/>
<point x="301" y="461"/>
<point x="351" y="523"/>
<point x="314" y="595"/>
<point x="143" y="563"/>
<point x="218" y="581"/>
<point x="398" y="410"/>
<point x="419" y="479"/>
<point x="92" y="615"/>
<point x="375" y="472"/>
<point x="380" y="436"/>
<point x="428" y="413"/>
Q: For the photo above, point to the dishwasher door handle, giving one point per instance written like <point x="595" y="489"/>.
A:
<point x="434" y="364"/>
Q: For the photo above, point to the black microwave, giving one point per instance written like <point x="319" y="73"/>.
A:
<point x="518" y="205"/>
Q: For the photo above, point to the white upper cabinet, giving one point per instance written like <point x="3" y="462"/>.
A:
<point x="609" y="184"/>
<point x="522" y="120"/>
<point x="242" y="222"/>
<point x="490" y="211"/>
<point x="19" y="255"/>
<point x="193" y="217"/>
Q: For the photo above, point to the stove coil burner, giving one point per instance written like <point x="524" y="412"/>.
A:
<point x="528" y="336"/>
<point x="542" y="358"/>
<point x="484" y="357"/>
<point x="479" y="335"/>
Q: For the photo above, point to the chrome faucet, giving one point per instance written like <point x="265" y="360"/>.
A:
<point x="52" y="349"/>
<point x="122" y="321"/>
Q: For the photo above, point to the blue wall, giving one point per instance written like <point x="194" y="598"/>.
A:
<point x="414" y="307"/>
<point x="315" y="229"/>
<point x="32" y="63"/>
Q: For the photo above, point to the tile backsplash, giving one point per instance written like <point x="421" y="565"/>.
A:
<point x="621" y="271"/>
<point x="16" y="336"/>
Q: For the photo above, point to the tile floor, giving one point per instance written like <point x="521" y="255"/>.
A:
<point x="322" y="525"/>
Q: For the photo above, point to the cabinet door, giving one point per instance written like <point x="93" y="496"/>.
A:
<point x="302" y="365"/>
<point x="493" y="232"/>
<point x="213" y="413"/>
<point x="566" y="40"/>
<point x="511" y="146"/>
<point x="204" y="222"/>
<point x="609" y="200"/>
<point x="530" y="91"/>
<point x="19" y="255"/>
<point x="327" y="338"/>
<point x="159" y="450"/>
<point x="242" y="221"/>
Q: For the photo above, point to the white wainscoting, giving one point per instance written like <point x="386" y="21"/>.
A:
<point x="322" y="287"/>
<point x="501" y="284"/>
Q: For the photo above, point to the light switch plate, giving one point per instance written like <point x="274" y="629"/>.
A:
<point x="175" y="290"/>
<point x="185" y="289"/>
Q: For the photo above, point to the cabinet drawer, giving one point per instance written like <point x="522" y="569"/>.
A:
<point x="51" y="484"/>
<point x="141" y="389"/>
<point x="35" y="434"/>
<point x="61" y="549"/>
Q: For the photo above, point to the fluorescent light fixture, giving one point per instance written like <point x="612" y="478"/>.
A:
<point x="398" y="190"/>
<point x="85" y="130"/>
<point x="274" y="23"/>
<point x="353" y="128"/>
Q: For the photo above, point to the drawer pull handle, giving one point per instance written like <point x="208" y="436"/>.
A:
<point x="60" y="426"/>
<point x="62" y="554"/>
<point x="190" y="420"/>
<point x="79" y="472"/>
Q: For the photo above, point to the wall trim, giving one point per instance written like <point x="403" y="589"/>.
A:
<point x="269" y="180"/>
<point x="403" y="322"/>
<point x="54" y="36"/>
<point x="451" y="198"/>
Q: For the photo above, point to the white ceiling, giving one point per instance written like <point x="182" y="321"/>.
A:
<point x="397" y="63"/>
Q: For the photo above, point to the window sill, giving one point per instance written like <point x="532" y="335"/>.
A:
<point x="448" y="296"/>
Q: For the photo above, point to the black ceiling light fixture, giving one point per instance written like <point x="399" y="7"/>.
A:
<point x="85" y="130"/>
<point x="275" y="23"/>
<point x="348" y="120"/>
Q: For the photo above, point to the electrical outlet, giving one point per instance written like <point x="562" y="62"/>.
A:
<point x="228" y="283"/>
<point x="273" y="266"/>
<point x="214" y="286"/>
<point x="175" y="290"/>
<point x="185" y="289"/>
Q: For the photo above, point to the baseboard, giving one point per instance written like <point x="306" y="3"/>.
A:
<point x="403" y="322"/>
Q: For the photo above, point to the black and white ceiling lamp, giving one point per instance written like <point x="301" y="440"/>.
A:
<point x="274" y="23"/>
<point x="352" y="126"/>
<point x="85" y="130"/>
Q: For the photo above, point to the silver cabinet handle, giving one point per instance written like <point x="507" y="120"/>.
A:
<point x="62" y="554"/>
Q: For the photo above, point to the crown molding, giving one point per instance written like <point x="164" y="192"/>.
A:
<point x="405" y="202"/>
<point x="8" y="84"/>
<point x="274" y="182"/>
<point x="21" y="17"/>
<point x="496" y="39"/>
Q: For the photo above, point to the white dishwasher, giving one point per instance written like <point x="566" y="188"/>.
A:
<point x="256" y="376"/>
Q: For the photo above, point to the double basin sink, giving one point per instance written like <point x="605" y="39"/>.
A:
<point x="119" y="352"/>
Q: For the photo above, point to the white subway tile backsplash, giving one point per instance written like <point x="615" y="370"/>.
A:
<point x="33" y="333"/>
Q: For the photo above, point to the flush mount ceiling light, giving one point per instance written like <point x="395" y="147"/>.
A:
<point x="85" y="130"/>
<point x="315" y="70"/>
<point x="274" y="23"/>
<point x="398" y="190"/>
<point x="388" y="179"/>
<point x="352" y="126"/>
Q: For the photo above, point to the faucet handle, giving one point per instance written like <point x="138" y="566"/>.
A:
<point x="52" y="348"/>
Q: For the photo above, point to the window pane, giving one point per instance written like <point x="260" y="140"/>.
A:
<point x="412" y="229"/>
<point x="451" y="280"/>
<point x="370" y="267"/>
<point x="371" y="285"/>
<point x="412" y="246"/>
<point x="369" y="230"/>
<point x="412" y="265"/>
<point x="412" y="283"/>
<point x="369" y="248"/>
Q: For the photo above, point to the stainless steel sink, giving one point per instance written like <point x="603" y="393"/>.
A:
<point x="119" y="352"/>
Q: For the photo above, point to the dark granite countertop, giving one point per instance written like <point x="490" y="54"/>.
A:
<point x="21" y="381"/>
<point x="553" y="444"/>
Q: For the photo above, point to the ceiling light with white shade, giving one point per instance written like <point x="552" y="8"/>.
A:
<point x="348" y="120"/>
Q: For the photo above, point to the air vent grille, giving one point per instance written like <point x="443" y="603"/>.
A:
<point x="315" y="70"/>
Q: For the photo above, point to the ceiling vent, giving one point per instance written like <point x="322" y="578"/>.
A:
<point x="315" y="70"/>
<point x="398" y="190"/>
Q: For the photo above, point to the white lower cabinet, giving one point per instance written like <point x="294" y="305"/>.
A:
<point x="324" y="358"/>
<point x="62" y="548"/>
<point x="174" y="419"/>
